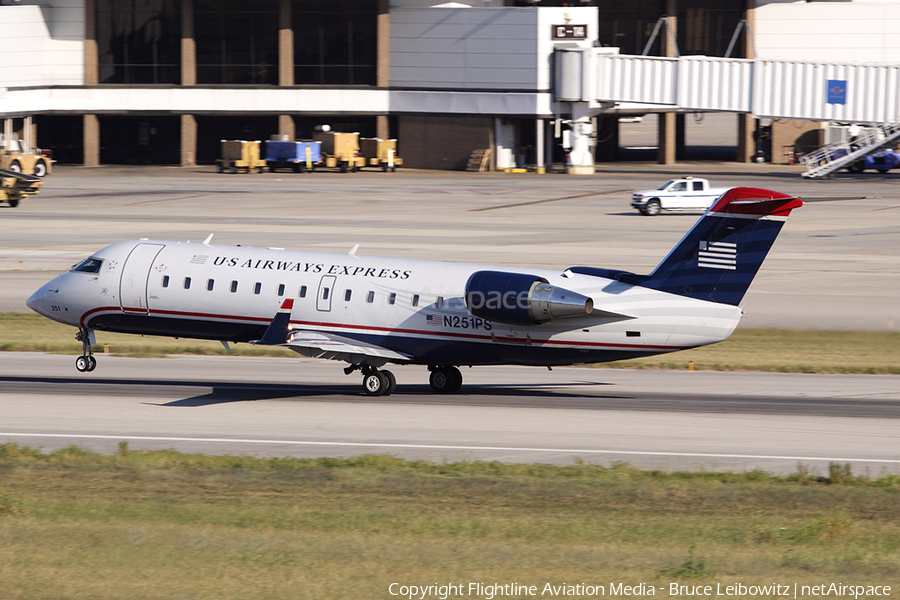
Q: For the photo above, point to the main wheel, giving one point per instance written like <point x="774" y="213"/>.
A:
<point x="392" y="383"/>
<point x="92" y="363"/>
<point x="653" y="208"/>
<point x="82" y="364"/>
<point x="375" y="383"/>
<point x="40" y="168"/>
<point x="445" y="380"/>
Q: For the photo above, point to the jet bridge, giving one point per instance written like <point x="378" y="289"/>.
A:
<point x="590" y="81"/>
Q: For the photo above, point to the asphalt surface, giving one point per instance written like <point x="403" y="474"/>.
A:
<point x="302" y="407"/>
<point x="834" y="267"/>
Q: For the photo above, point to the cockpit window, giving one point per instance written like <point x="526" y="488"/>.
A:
<point x="88" y="265"/>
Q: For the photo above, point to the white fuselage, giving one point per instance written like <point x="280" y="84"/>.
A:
<point x="415" y="307"/>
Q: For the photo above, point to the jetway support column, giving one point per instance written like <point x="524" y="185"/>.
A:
<point x="666" y="139"/>
<point x="581" y="156"/>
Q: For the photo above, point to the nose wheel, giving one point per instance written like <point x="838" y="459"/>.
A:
<point x="86" y="362"/>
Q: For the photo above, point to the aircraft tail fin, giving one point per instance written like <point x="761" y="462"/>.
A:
<point x="718" y="259"/>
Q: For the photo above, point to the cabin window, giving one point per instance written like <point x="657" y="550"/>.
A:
<point x="210" y="284"/>
<point x="257" y="288"/>
<point x="187" y="283"/>
<point x="415" y="300"/>
<point x="281" y="289"/>
<point x="370" y="297"/>
<point x="347" y="294"/>
<point x="233" y="286"/>
<point x="165" y="282"/>
<point x="439" y="302"/>
<point x="303" y="291"/>
<point x="392" y="298"/>
<point x="325" y="293"/>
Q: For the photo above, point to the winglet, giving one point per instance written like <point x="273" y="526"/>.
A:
<point x="279" y="328"/>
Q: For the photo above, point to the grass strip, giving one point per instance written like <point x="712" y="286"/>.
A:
<point x="760" y="349"/>
<point x="160" y="524"/>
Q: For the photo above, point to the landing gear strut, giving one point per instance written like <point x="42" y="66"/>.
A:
<point x="375" y="382"/>
<point x="445" y="379"/>
<point x="86" y="362"/>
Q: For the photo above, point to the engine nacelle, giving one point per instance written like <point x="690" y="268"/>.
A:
<point x="518" y="299"/>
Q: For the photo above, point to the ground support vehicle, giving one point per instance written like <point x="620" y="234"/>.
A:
<point x="380" y="153"/>
<point x="15" y="157"/>
<point x="340" y="150"/>
<point x="882" y="162"/>
<point x="14" y="186"/>
<point x="688" y="193"/>
<point x="300" y="155"/>
<point x="240" y="155"/>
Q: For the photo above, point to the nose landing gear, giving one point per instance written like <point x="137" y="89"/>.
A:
<point x="86" y="362"/>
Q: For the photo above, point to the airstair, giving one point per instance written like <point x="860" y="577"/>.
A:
<point x="828" y="159"/>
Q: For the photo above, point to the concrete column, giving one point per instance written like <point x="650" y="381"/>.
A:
<point x="91" y="141"/>
<point x="188" y="77"/>
<point x="286" y="126"/>
<point x="285" y="62"/>
<point x="383" y="63"/>
<point x="539" y="145"/>
<point x="666" y="133"/>
<point x="188" y="141"/>
<point x="188" y="47"/>
<point x="746" y="146"/>
<point x="91" y="59"/>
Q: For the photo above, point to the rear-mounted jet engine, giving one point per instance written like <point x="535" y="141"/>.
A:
<point x="519" y="299"/>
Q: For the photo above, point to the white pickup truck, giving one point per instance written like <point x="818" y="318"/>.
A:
<point x="688" y="193"/>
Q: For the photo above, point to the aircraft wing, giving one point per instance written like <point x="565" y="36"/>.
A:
<point x="318" y="344"/>
<point x="321" y="344"/>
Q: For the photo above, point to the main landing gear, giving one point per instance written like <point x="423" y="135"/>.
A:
<point x="86" y="362"/>
<point x="375" y="382"/>
<point x="445" y="379"/>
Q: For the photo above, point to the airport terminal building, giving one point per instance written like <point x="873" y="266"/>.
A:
<point x="164" y="81"/>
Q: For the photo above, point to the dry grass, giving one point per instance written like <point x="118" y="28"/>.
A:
<point x="168" y="525"/>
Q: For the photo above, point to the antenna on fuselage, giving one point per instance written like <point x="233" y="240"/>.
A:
<point x="353" y="250"/>
<point x="208" y="239"/>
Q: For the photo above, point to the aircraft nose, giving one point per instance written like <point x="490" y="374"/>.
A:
<point x="35" y="300"/>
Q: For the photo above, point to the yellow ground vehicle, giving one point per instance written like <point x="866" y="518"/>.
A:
<point x="14" y="186"/>
<point x="15" y="157"/>
<point x="340" y="150"/>
<point x="380" y="153"/>
<point x="240" y="155"/>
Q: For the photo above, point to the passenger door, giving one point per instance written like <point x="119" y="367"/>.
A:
<point x="135" y="275"/>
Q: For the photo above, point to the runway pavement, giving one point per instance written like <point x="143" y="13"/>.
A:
<point x="302" y="407"/>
